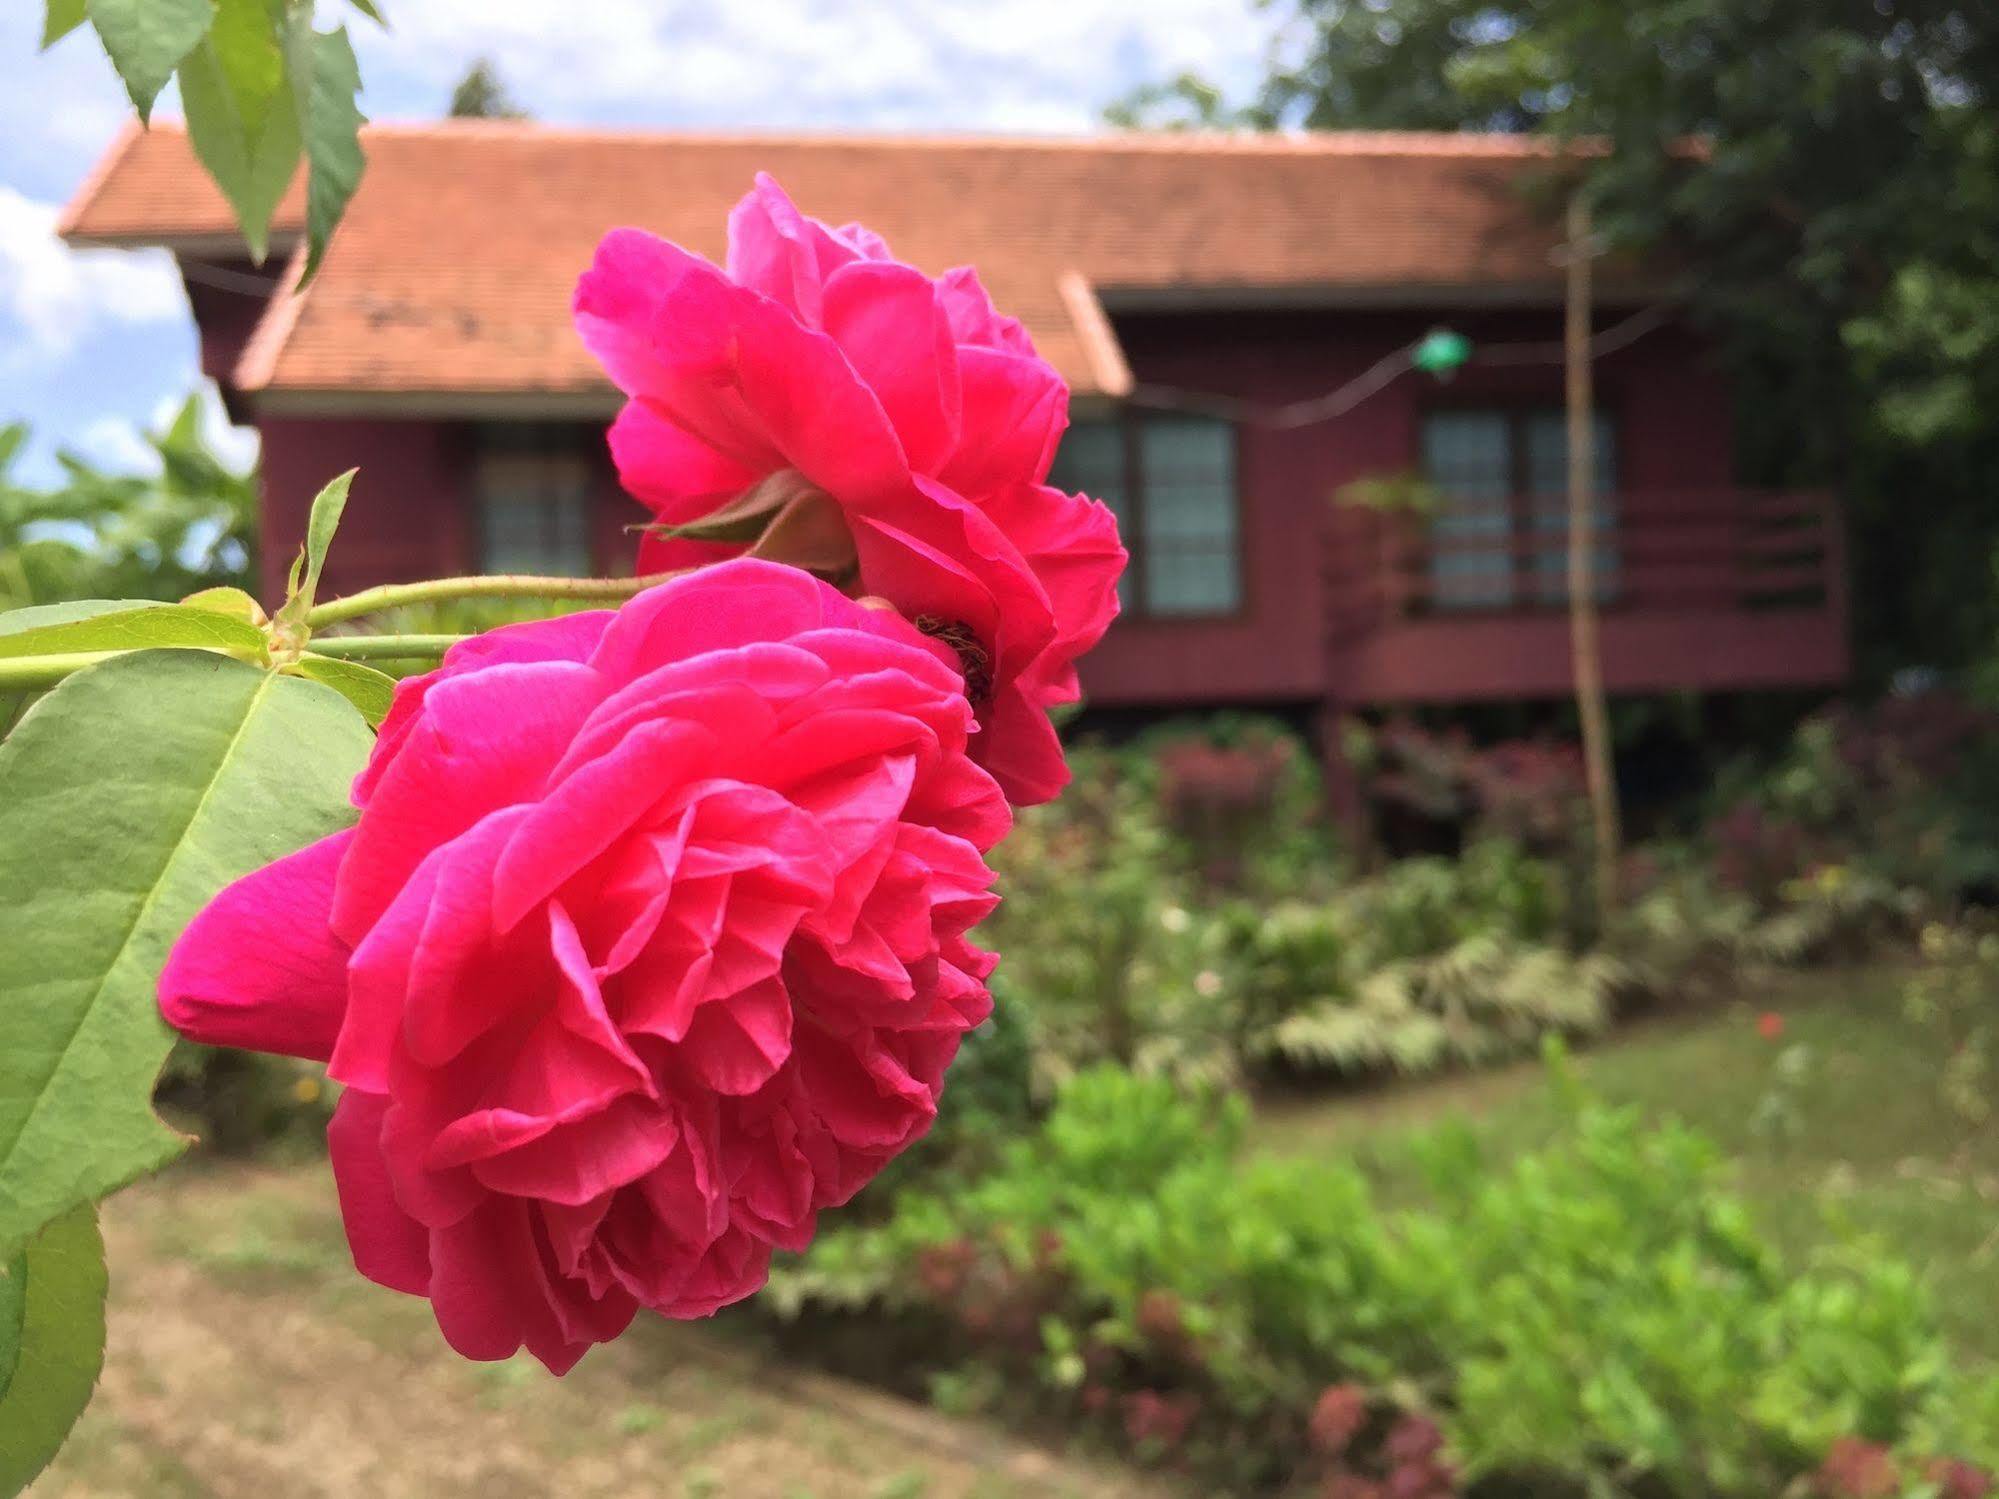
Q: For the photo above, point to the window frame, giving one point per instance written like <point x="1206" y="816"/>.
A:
<point x="541" y="441"/>
<point x="1526" y="583"/>
<point x="1130" y="424"/>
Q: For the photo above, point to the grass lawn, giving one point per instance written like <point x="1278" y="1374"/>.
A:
<point x="1859" y="1142"/>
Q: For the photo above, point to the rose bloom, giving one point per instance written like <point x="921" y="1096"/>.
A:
<point x="822" y="403"/>
<point x="648" y="945"/>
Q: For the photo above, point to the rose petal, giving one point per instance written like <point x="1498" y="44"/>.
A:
<point x="260" y="968"/>
<point x="390" y="1247"/>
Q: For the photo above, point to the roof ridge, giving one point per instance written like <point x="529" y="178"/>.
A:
<point x="1489" y="143"/>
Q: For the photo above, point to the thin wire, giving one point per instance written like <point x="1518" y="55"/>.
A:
<point x="1377" y="376"/>
<point x="221" y="278"/>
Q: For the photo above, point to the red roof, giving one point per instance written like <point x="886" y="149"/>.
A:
<point x="451" y="275"/>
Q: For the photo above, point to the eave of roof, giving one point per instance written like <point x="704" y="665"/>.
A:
<point x="459" y="315"/>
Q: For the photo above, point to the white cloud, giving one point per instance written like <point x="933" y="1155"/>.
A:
<point x="113" y="443"/>
<point x="55" y="296"/>
<point x="937" y="64"/>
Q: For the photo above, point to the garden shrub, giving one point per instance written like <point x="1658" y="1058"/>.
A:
<point x="1906" y="790"/>
<point x="1103" y="951"/>
<point x="1432" y="792"/>
<point x="1597" y="1317"/>
<point x="1119" y="949"/>
<point x="236" y="1102"/>
<point x="1956" y="995"/>
<point x="1242" y="799"/>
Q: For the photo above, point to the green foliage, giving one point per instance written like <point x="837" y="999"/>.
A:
<point x="201" y="769"/>
<point x="238" y="1102"/>
<point x="332" y="141"/>
<point x="262" y="88"/>
<point x="1596" y="1315"/>
<point x="97" y="535"/>
<point x="303" y="585"/>
<point x="146" y="39"/>
<point x="1904" y="794"/>
<point x="483" y="95"/>
<point x="1181" y="911"/>
<point x="1098" y="941"/>
<point x="148" y="627"/>
<point x="1956" y="995"/>
<point x="51" y="1341"/>
<point x="1482" y="1000"/>
<point x="62" y="17"/>
<point x="369" y="690"/>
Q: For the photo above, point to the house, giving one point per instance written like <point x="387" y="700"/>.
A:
<point x="1188" y="286"/>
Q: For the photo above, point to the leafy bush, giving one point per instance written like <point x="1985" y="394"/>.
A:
<point x="127" y="536"/>
<point x="1485" y="998"/>
<point x="1101" y="949"/>
<point x="236" y="1102"/>
<point x="1242" y="798"/>
<point x="1119" y="949"/>
<point x="1956" y="994"/>
<point x="1596" y="1317"/>
<point x="1431" y="792"/>
<point x="1905" y="790"/>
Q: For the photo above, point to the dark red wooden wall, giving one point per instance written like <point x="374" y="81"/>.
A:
<point x="411" y="514"/>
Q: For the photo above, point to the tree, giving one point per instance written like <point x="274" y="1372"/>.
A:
<point x="482" y="95"/>
<point x="1838" y="240"/>
<point x="127" y="536"/>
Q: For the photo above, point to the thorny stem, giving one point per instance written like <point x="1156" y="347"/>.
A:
<point x="501" y="586"/>
<point x="32" y="673"/>
<point x="384" y="647"/>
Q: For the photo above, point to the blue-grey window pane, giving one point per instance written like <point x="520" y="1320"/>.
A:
<point x="1192" y="543"/>
<point x="1548" y="483"/>
<point x="534" y="511"/>
<point x="1468" y="456"/>
<point x="1091" y="461"/>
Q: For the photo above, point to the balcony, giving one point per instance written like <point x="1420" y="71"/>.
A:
<point x="1708" y="590"/>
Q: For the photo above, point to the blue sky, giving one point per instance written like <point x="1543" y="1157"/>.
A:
<point x="97" y="345"/>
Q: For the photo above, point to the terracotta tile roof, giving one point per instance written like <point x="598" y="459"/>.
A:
<point x="452" y="273"/>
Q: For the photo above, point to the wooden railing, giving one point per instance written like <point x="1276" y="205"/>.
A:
<point x="1714" y="549"/>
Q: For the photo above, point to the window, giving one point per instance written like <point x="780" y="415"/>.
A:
<point x="1171" y="482"/>
<point x="1504" y="477"/>
<point x="533" y="486"/>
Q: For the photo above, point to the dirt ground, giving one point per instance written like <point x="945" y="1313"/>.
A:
<point x="247" y="1358"/>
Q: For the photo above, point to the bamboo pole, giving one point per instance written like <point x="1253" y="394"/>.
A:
<point x="1584" y="645"/>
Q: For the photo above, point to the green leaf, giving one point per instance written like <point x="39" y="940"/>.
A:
<point x="13" y="621"/>
<point x="332" y="141"/>
<point x="369" y="690"/>
<point x="155" y="626"/>
<point x="327" y="507"/>
<point x="59" y="20"/>
<point x="52" y="1348"/>
<point x="147" y="39"/>
<point x="36" y="616"/>
<point x="130" y="795"/>
<point x="247" y="44"/>
<point x="230" y="601"/>
<point x="373" y="12"/>
<point x="243" y="105"/>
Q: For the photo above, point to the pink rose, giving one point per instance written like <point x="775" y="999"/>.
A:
<point x="648" y="945"/>
<point x="839" y="409"/>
